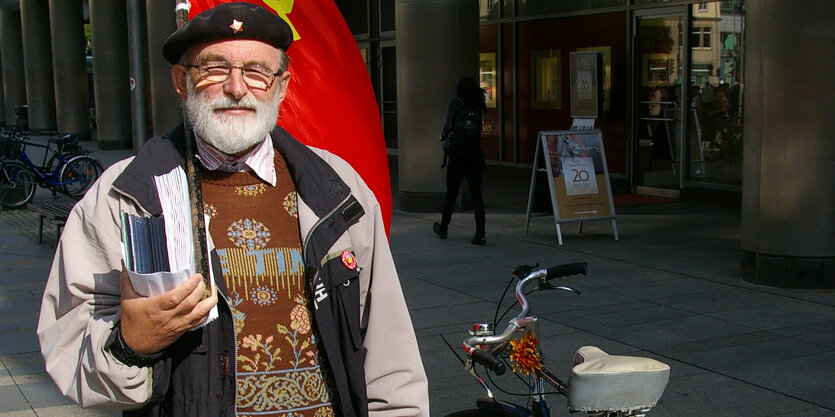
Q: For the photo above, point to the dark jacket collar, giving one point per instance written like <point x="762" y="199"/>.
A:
<point x="316" y="182"/>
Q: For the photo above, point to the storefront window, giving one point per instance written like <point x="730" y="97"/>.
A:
<point x="387" y="15"/>
<point x="488" y="9"/>
<point x="715" y="114"/>
<point x="537" y="7"/>
<point x="546" y="68"/>
<point x="487" y="78"/>
<point x="355" y="13"/>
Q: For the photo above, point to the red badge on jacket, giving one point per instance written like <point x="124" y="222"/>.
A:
<point x="349" y="260"/>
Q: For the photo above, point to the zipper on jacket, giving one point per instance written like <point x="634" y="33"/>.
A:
<point x="319" y="223"/>
<point x="133" y="199"/>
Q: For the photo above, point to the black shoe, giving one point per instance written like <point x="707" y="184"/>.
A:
<point x="479" y="240"/>
<point x="440" y="231"/>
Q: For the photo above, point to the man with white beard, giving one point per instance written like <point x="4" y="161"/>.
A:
<point x="297" y="247"/>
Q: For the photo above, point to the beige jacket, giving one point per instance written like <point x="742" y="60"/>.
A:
<point x="81" y="305"/>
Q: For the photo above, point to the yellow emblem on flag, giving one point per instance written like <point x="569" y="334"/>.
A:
<point x="283" y="8"/>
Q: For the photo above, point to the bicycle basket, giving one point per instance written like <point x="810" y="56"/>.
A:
<point x="69" y="144"/>
<point x="9" y="148"/>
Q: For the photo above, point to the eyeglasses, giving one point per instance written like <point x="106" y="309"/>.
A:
<point x="254" y="75"/>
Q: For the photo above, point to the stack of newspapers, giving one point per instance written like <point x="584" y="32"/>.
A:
<point x="159" y="250"/>
<point x="153" y="244"/>
<point x="146" y="251"/>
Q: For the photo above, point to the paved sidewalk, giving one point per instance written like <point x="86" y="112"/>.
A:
<point x="669" y="289"/>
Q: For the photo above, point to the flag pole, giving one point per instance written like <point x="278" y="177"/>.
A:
<point x="201" y="256"/>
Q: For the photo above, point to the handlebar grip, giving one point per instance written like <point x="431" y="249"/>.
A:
<point x="491" y="362"/>
<point x="566" y="269"/>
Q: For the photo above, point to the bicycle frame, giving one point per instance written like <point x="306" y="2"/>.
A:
<point x="49" y="178"/>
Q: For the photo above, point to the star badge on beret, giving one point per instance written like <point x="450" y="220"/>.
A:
<point x="237" y="25"/>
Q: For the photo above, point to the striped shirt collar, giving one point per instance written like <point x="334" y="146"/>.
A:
<point x="260" y="160"/>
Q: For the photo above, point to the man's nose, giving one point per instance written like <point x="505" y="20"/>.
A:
<point x="235" y="85"/>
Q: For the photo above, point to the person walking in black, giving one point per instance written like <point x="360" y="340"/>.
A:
<point x="466" y="160"/>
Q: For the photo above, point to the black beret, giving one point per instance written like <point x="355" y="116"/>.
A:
<point x="229" y="21"/>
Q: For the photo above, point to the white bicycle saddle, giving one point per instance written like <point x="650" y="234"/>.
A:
<point x="603" y="382"/>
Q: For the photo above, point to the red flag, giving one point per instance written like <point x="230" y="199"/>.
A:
<point x="331" y="103"/>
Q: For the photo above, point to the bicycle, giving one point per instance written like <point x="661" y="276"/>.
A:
<point x="599" y="384"/>
<point x="17" y="184"/>
<point x="65" y="168"/>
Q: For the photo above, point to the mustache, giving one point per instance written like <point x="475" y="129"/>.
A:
<point x="223" y="103"/>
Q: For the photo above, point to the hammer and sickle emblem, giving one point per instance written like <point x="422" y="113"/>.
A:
<point x="283" y="8"/>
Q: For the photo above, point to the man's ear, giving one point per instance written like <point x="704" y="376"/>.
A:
<point x="178" y="77"/>
<point x="283" y="83"/>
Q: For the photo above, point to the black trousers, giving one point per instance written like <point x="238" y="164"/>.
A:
<point x="457" y="170"/>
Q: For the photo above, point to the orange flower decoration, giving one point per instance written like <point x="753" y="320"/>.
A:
<point x="524" y="354"/>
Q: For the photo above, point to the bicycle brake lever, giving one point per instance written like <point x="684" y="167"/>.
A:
<point x="545" y="285"/>
<point x="569" y="289"/>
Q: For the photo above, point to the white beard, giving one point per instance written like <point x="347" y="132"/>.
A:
<point x="230" y="134"/>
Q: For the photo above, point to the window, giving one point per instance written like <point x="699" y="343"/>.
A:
<point x="700" y="38"/>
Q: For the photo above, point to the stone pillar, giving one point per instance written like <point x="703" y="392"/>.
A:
<point x="788" y="220"/>
<point x="136" y="45"/>
<point x="165" y="103"/>
<point x="11" y="51"/>
<point x="69" y="63"/>
<point x="111" y="73"/>
<point x="2" y="101"/>
<point x="37" y="57"/>
<point x="437" y="44"/>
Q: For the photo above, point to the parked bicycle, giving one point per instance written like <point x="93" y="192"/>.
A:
<point x="65" y="168"/>
<point x="599" y="384"/>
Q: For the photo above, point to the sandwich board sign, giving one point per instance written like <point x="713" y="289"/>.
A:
<point x="573" y="163"/>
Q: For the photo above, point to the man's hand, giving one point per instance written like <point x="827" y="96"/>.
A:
<point x="150" y="324"/>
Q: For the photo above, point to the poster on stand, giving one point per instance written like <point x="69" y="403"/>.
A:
<point x="578" y="180"/>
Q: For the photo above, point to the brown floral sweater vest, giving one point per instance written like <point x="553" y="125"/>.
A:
<point x="255" y="230"/>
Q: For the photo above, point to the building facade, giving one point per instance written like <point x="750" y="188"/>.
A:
<point x="718" y="100"/>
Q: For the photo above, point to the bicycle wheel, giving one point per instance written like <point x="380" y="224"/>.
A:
<point x="17" y="185"/>
<point x="79" y="174"/>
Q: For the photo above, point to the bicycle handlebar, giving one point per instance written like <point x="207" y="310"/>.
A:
<point x="541" y="277"/>
<point x="566" y="270"/>
<point x="491" y="362"/>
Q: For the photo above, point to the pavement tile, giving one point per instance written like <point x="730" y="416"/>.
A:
<point x="822" y="338"/>
<point x="711" y="394"/>
<point x="27" y="321"/>
<point x="13" y="399"/>
<point x="23" y="363"/>
<point x="19" y="342"/>
<point x="74" y="411"/>
<point x="24" y="413"/>
<point x="41" y="392"/>
<point x="779" y="314"/>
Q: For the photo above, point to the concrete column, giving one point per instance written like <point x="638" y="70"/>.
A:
<point x="788" y="220"/>
<point x="437" y="44"/>
<point x="165" y="103"/>
<point x="2" y="101"/>
<point x="111" y="73"/>
<point x="136" y="45"/>
<point x="37" y="57"/>
<point x="69" y="63"/>
<point x="11" y="51"/>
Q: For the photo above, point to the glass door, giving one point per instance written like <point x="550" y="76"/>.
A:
<point x="657" y="127"/>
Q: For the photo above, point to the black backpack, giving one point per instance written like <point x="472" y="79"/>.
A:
<point x="465" y="129"/>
